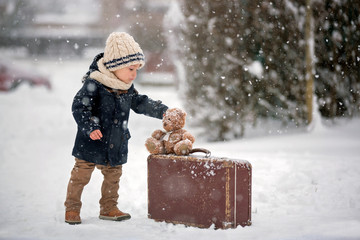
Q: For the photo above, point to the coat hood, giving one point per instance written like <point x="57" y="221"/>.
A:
<point x="93" y="66"/>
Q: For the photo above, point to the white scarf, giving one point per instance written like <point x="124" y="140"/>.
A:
<point x="106" y="77"/>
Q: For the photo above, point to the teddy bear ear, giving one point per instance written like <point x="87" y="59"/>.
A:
<point x="182" y="113"/>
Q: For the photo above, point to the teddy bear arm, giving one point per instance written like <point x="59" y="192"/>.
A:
<point x="187" y="135"/>
<point x="158" y="134"/>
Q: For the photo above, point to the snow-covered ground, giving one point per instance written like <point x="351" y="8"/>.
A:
<point x="305" y="185"/>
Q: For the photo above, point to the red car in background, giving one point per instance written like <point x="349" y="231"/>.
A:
<point x="10" y="78"/>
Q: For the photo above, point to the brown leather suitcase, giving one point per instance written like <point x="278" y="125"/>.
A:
<point x="199" y="191"/>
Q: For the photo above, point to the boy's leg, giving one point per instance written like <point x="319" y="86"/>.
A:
<point x="109" y="192"/>
<point x="109" y="188"/>
<point x="80" y="176"/>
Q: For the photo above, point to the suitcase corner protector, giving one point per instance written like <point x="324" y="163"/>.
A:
<point x="249" y="165"/>
<point x="247" y="223"/>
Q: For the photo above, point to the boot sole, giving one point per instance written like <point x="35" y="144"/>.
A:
<point x="120" y="218"/>
<point x="73" y="222"/>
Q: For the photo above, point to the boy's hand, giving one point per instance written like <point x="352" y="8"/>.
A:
<point x="96" y="135"/>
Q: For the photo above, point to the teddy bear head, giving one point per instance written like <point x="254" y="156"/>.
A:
<point x="174" y="119"/>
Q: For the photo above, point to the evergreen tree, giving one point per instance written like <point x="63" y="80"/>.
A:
<point x="337" y="37"/>
<point x="246" y="61"/>
<point x="242" y="63"/>
<point x="280" y="35"/>
<point x="213" y="67"/>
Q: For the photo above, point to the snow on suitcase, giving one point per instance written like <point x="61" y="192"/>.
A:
<point x="199" y="191"/>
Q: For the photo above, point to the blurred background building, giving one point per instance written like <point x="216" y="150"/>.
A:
<point x="68" y="29"/>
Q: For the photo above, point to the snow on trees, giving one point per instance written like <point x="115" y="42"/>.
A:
<point x="337" y="51"/>
<point x="244" y="61"/>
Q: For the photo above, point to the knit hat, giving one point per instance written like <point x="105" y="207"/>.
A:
<point x="121" y="51"/>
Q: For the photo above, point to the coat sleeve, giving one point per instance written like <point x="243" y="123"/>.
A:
<point x="142" y="104"/>
<point x="82" y="107"/>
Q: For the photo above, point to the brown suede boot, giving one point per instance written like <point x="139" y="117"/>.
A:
<point x="72" y="217"/>
<point x="115" y="215"/>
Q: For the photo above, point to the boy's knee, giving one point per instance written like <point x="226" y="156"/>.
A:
<point x="113" y="173"/>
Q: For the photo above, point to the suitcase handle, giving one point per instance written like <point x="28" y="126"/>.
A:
<point x="203" y="150"/>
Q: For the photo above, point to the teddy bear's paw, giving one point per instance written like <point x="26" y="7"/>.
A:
<point x="182" y="150"/>
<point x="150" y="146"/>
<point x="153" y="146"/>
<point x="183" y="147"/>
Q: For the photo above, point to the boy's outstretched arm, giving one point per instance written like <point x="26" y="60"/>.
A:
<point x="144" y="105"/>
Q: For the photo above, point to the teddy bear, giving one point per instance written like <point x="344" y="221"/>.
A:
<point x="175" y="139"/>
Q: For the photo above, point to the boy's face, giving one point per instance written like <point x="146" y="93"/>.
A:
<point x="127" y="74"/>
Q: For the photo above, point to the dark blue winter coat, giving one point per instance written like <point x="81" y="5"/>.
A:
<point x="95" y="107"/>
